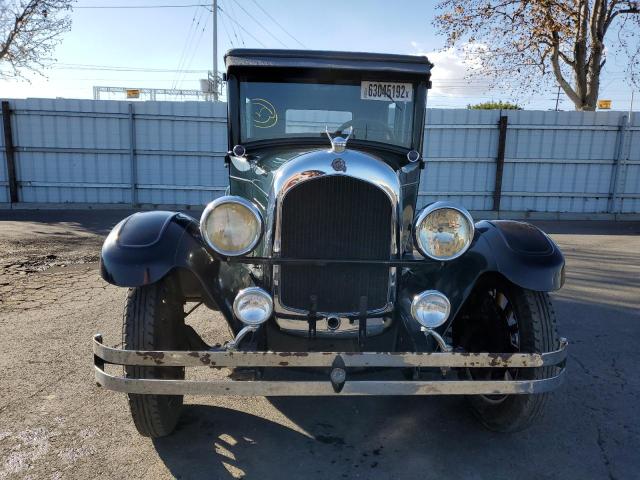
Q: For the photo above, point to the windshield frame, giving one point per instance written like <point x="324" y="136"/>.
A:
<point x="306" y="75"/>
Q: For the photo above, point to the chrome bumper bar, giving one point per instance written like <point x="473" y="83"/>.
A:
<point x="336" y="361"/>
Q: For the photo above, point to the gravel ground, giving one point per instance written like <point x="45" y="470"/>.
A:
<point x="55" y="423"/>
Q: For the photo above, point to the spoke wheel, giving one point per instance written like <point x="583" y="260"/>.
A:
<point x="501" y="317"/>
<point x="502" y="335"/>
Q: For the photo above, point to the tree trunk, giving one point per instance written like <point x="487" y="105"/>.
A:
<point x="587" y="59"/>
<point x="586" y="107"/>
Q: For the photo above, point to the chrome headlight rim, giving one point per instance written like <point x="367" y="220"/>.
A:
<point x="419" y="297"/>
<point x="255" y="291"/>
<point x="211" y="206"/>
<point x="440" y="205"/>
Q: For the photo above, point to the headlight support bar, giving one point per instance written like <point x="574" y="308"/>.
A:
<point x="321" y="262"/>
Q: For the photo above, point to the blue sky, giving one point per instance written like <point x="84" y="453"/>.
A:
<point x="140" y="40"/>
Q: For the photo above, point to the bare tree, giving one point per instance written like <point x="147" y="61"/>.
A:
<point x="524" y="40"/>
<point x="29" y="32"/>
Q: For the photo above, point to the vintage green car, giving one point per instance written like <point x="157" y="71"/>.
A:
<point x="319" y="260"/>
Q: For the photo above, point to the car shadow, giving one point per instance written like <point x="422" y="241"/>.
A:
<point x="428" y="437"/>
<point x="315" y="437"/>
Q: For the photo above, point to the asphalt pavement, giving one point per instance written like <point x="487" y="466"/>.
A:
<point x="55" y="423"/>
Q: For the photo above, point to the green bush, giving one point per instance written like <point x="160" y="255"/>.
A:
<point x="494" y="106"/>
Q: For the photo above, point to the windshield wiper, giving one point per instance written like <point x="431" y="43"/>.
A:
<point x="394" y="102"/>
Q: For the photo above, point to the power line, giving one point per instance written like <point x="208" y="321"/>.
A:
<point x="260" y="24"/>
<point x="114" y="68"/>
<point x="226" y="30"/>
<point x="185" y="48"/>
<point x="233" y="13"/>
<point x="118" y="7"/>
<point x="191" y="46"/>
<point x="278" y="23"/>
<point x="245" y="31"/>
<point x="235" y="32"/>
<point x="194" y="50"/>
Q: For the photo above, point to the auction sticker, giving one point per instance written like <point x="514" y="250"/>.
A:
<point x="386" y="91"/>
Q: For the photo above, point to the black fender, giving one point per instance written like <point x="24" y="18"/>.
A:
<point x="519" y="251"/>
<point x="524" y="254"/>
<point x="147" y="246"/>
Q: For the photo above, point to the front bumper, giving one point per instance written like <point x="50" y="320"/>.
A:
<point x="337" y="362"/>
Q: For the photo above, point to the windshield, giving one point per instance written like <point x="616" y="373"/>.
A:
<point x="377" y="111"/>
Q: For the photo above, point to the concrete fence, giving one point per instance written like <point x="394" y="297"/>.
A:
<point x="85" y="153"/>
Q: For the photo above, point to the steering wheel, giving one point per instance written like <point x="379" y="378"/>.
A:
<point x="360" y="125"/>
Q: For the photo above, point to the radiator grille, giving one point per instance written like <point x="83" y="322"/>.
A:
<point x="335" y="217"/>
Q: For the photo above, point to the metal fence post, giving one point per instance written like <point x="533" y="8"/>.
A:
<point x="132" y="156"/>
<point x="9" y="152"/>
<point x="613" y="186"/>
<point x="502" y="139"/>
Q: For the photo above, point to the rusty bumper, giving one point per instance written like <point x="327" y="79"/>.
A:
<point x="336" y="362"/>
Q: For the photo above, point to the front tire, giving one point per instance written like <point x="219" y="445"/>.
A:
<point x="154" y="320"/>
<point x="507" y="319"/>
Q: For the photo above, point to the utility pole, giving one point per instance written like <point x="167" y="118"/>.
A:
<point x="631" y="108"/>
<point x="557" y="98"/>
<point x="215" y="50"/>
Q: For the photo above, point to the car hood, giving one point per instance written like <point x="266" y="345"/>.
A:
<point x="253" y="177"/>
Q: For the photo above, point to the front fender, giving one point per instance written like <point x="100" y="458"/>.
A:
<point x="520" y="252"/>
<point x="145" y="247"/>
<point x="524" y="254"/>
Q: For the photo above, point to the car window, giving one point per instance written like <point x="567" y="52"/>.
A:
<point x="377" y="111"/>
<point x="312" y="121"/>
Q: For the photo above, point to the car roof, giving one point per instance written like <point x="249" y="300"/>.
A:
<point x="320" y="59"/>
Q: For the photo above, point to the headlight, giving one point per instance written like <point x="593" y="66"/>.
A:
<point x="443" y="231"/>
<point x="231" y="225"/>
<point x="430" y="308"/>
<point x="253" y="306"/>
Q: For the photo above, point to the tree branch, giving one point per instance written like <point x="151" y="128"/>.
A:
<point x="29" y="32"/>
<point x="521" y="38"/>
<point x="613" y="15"/>
<point x="558" y="72"/>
